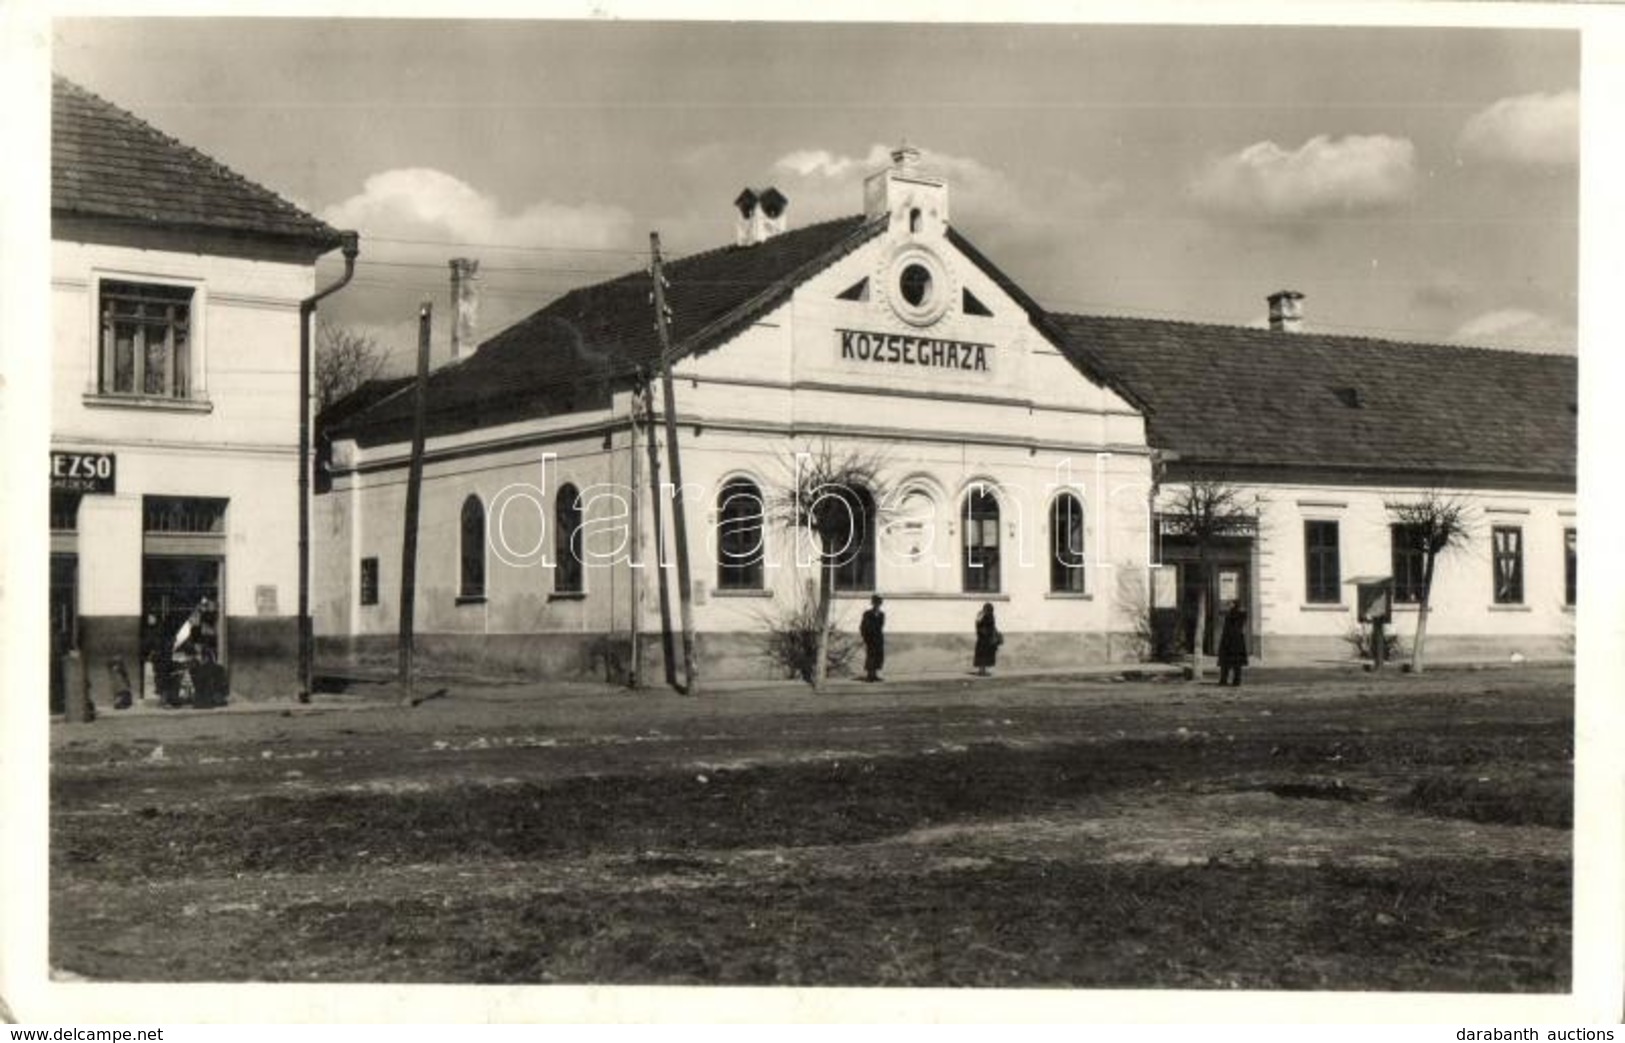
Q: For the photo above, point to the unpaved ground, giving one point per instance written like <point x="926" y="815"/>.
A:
<point x="1322" y="831"/>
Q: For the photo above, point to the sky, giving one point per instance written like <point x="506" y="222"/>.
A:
<point x="1413" y="183"/>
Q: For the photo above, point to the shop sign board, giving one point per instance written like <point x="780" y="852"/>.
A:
<point x="83" y="472"/>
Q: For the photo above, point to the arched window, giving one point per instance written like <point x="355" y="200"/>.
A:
<point x="854" y="543"/>
<point x="739" y="536"/>
<point x="981" y="541"/>
<point x="471" y="576"/>
<point x="1066" y="545"/>
<point x="568" y="553"/>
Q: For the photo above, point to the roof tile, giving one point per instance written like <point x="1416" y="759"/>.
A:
<point x="106" y="162"/>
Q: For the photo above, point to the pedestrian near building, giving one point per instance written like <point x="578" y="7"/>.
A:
<point x="873" y="630"/>
<point x="1233" y="645"/>
<point x="988" y="640"/>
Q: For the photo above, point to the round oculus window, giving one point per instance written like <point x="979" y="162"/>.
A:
<point x="915" y="285"/>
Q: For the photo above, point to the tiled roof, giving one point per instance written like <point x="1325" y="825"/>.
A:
<point x="570" y="354"/>
<point x="1233" y="397"/>
<point x="107" y="163"/>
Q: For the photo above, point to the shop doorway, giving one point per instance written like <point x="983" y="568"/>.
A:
<point x="181" y="617"/>
<point x="64" y="632"/>
<point x="1227" y="582"/>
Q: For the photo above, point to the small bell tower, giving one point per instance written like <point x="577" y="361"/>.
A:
<point x="915" y="200"/>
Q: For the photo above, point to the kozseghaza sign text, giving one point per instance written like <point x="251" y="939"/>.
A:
<point x="900" y="349"/>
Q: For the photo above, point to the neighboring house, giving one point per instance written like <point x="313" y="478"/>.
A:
<point x="176" y="293"/>
<point x="1022" y="450"/>
<point x="884" y="332"/>
<point x="1326" y="433"/>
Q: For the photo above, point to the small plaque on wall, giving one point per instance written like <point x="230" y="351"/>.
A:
<point x="265" y="600"/>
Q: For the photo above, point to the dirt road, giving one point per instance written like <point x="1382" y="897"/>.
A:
<point x="1306" y="831"/>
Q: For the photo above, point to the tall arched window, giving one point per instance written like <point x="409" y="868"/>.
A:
<point x="569" y="555"/>
<point x="739" y="536"/>
<point x="981" y="541"/>
<point x="855" y="543"/>
<point x="1066" y="545"/>
<point x="471" y="543"/>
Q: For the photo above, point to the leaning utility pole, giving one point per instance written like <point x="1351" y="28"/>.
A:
<point x="414" y="483"/>
<point x="679" y="523"/>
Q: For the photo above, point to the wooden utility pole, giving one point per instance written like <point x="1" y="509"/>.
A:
<point x="685" y="594"/>
<point x="667" y="652"/>
<point x="414" y="483"/>
<point x="634" y="678"/>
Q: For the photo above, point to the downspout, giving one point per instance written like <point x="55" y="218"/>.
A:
<point x="350" y="244"/>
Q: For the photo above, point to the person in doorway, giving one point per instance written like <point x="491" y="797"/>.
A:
<point x="872" y="628"/>
<point x="988" y="640"/>
<point x="1233" y="645"/>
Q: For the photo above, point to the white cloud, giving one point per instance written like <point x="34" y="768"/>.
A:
<point x="821" y="183"/>
<point x="1531" y="129"/>
<point x="420" y="203"/>
<point x="1325" y="175"/>
<point x="825" y="164"/>
<point x="1521" y="329"/>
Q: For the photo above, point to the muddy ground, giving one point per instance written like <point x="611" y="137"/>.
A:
<point x="1314" y="830"/>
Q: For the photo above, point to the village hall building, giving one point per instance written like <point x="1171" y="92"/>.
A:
<point x="1024" y="460"/>
<point x="176" y="289"/>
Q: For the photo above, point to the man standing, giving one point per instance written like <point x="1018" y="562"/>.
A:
<point x="873" y="631"/>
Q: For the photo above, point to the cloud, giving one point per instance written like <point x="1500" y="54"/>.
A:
<point x="1441" y="291"/>
<point x="420" y="203"/>
<point x="1521" y="329"/>
<point x="1528" y="130"/>
<point x="1324" y="176"/>
<point x="825" y="164"/>
<point x="821" y="183"/>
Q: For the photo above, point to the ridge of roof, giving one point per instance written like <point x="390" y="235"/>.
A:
<point x="1242" y="396"/>
<point x="278" y="217"/>
<point x="1084" y="360"/>
<point x="1231" y="328"/>
<point x="592" y="337"/>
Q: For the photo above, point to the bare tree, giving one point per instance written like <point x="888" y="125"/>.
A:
<point x="1434" y="523"/>
<point x="1206" y="512"/>
<point x="345" y="359"/>
<point x="832" y="499"/>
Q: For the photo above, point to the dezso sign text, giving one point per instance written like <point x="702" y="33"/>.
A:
<point x="83" y="472"/>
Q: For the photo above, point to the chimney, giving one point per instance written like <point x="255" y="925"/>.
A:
<point x="1286" y="311"/>
<point x="465" y="307"/>
<point x="761" y="215"/>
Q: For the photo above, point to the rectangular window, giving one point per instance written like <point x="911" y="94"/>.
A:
<point x="65" y="511"/>
<point x="369" y="581"/>
<point x="1322" y="569"/>
<point x="1409" y="561"/>
<point x="146" y="340"/>
<point x="184" y="514"/>
<point x="1507" y="543"/>
<point x="1570" y="565"/>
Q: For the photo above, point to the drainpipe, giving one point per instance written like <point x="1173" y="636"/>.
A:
<point x="350" y="244"/>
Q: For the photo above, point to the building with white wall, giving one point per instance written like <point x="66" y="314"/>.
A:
<point x="884" y="334"/>
<point x="176" y="294"/>
<point x="1024" y="455"/>
<point x="1324" y="436"/>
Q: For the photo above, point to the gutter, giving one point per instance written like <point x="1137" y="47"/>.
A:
<point x="350" y="243"/>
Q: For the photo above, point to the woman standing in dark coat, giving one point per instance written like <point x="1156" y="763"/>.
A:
<point x="988" y="640"/>
<point x="1233" y="645"/>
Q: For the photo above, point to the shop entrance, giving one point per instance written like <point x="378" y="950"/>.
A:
<point x="64" y="633"/>
<point x="1227" y="582"/>
<point x="1227" y="575"/>
<point x="181" y="613"/>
